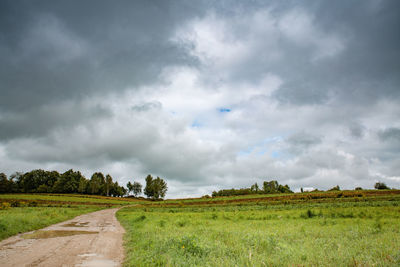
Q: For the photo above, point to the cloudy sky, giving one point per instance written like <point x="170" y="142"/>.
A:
<point x="205" y="94"/>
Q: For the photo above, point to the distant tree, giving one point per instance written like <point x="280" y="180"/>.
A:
<point x="149" y="190"/>
<point x="270" y="187"/>
<point x="96" y="183"/>
<point x="155" y="188"/>
<point x="358" y="188"/>
<point x="136" y="188"/>
<point x="254" y="188"/>
<point x="302" y="190"/>
<point x="68" y="182"/>
<point x="4" y="184"/>
<point x="129" y="185"/>
<point x="380" y="185"/>
<point x="284" y="189"/>
<point x="335" y="188"/>
<point x="83" y="186"/>
<point x="109" y="183"/>
<point x="14" y="182"/>
<point x="117" y="191"/>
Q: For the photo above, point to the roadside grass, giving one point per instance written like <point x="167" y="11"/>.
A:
<point x="296" y="234"/>
<point x="14" y="220"/>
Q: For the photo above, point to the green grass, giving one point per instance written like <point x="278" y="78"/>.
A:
<point x="304" y="234"/>
<point x="23" y="219"/>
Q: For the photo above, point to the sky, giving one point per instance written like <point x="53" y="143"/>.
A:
<point x="205" y="94"/>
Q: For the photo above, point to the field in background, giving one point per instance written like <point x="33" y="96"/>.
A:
<point x="351" y="228"/>
<point x="48" y="199"/>
<point x="26" y="212"/>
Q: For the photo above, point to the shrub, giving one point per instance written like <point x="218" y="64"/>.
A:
<point x="15" y="203"/>
<point x="190" y="246"/>
<point x="308" y="214"/>
<point x="161" y="223"/>
<point x="33" y="204"/>
<point x="4" y="206"/>
<point x="380" y="185"/>
<point x="181" y="223"/>
<point x="140" y="218"/>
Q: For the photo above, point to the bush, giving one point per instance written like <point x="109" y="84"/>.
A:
<point x="308" y="214"/>
<point x="380" y="185"/>
<point x="4" y="206"/>
<point x="140" y="218"/>
<point x="190" y="246"/>
<point x="15" y="203"/>
<point x="33" y="204"/>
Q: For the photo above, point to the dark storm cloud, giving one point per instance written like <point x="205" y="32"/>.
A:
<point x="302" y="141"/>
<point x="390" y="134"/>
<point x="366" y="70"/>
<point x="52" y="50"/>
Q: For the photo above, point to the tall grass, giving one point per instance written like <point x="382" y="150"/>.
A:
<point x="327" y="234"/>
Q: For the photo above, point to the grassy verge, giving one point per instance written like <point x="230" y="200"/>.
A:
<point x="303" y="234"/>
<point x="23" y="219"/>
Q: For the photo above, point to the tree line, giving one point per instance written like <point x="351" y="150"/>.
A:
<point x="73" y="182"/>
<point x="41" y="181"/>
<point x="268" y="187"/>
<point x="273" y="187"/>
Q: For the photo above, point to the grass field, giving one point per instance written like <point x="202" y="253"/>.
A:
<point x="339" y="232"/>
<point x="26" y="212"/>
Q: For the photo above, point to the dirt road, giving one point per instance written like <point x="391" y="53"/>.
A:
<point x="93" y="239"/>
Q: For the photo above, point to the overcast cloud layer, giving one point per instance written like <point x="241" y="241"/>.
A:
<point x="206" y="95"/>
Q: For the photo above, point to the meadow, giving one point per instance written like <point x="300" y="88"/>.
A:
<point x="363" y="231"/>
<point x="26" y="212"/>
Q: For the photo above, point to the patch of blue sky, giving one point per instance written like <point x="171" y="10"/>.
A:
<point x="263" y="147"/>
<point x="275" y="154"/>
<point x="245" y="152"/>
<point x="222" y="110"/>
<point x="196" y="124"/>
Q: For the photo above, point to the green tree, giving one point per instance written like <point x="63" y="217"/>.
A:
<point x="255" y="188"/>
<point x="335" y="188"/>
<point x="136" y="188"/>
<point x="380" y="185"/>
<point x="68" y="182"/>
<point x="270" y="187"/>
<point x="284" y="189"/>
<point x="4" y="184"/>
<point x="109" y="183"/>
<point x="14" y="182"/>
<point x="155" y="188"/>
<point x="83" y="186"/>
<point x="129" y="185"/>
<point x="149" y="190"/>
<point x="96" y="182"/>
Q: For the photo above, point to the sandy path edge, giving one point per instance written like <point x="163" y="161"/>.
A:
<point x="104" y="248"/>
